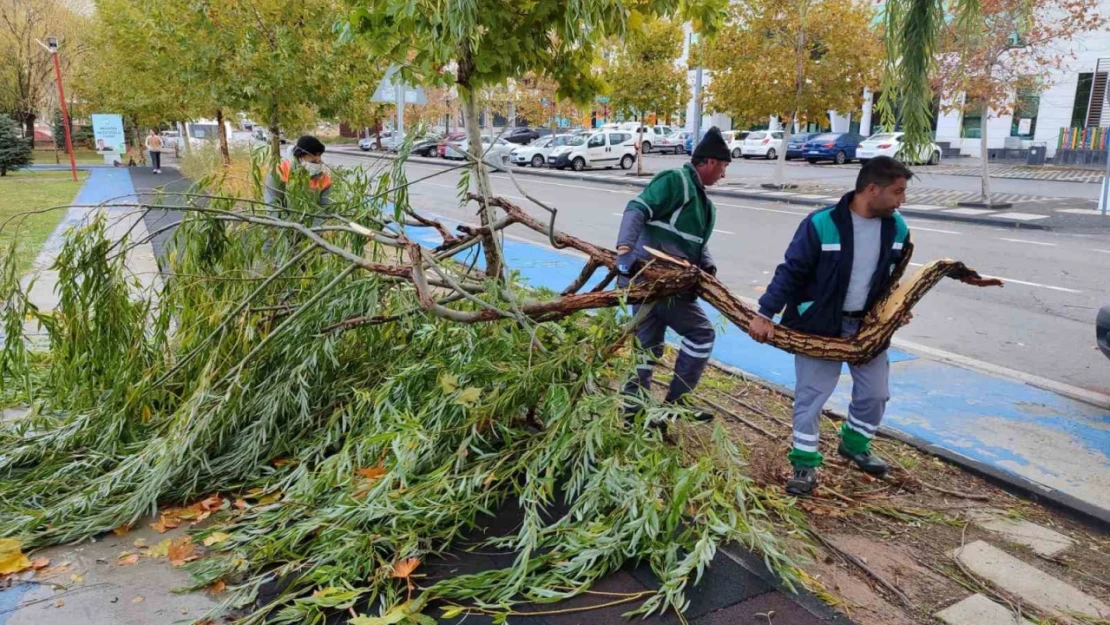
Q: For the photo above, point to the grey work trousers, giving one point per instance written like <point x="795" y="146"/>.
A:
<point x="684" y="315"/>
<point x="816" y="381"/>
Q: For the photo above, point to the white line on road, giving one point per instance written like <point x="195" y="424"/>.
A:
<point x="723" y="231"/>
<point x="1101" y="251"/>
<point x="1036" y="284"/>
<point x="1029" y="242"/>
<point x="916" y="228"/>
<point x="765" y="210"/>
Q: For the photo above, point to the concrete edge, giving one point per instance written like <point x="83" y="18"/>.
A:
<point x="733" y="193"/>
<point x="1075" y="507"/>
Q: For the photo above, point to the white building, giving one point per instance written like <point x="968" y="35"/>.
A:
<point x="1075" y="98"/>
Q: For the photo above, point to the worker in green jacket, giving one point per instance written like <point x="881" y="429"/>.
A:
<point x="674" y="215"/>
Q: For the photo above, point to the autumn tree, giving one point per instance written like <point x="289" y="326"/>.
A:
<point x="797" y="59"/>
<point x="643" y="76"/>
<point x="536" y="99"/>
<point x="1012" y="48"/>
<point x="27" y="77"/>
<point x="486" y="45"/>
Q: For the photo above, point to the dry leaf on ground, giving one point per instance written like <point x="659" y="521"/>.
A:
<point x="160" y="550"/>
<point x="217" y="587"/>
<point x="40" y="563"/>
<point x="403" y="569"/>
<point x="138" y="599"/>
<point x="12" y="559"/>
<point x="127" y="559"/>
<point x="181" y="551"/>
<point x="215" y="538"/>
<point x="372" y="473"/>
<point x="121" y="530"/>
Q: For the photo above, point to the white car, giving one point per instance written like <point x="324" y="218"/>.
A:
<point x="764" y="143"/>
<point x="496" y="150"/>
<point x="890" y="144"/>
<point x="735" y="141"/>
<point x="653" y="135"/>
<point x="605" y="148"/>
<point x="674" y="142"/>
<point x="535" y="153"/>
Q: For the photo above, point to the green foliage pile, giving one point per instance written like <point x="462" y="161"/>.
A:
<point x="357" y="450"/>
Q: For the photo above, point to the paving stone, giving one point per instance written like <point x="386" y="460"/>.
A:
<point x="979" y="610"/>
<point x="1030" y="583"/>
<point x="1040" y="539"/>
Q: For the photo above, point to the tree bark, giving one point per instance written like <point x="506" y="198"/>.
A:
<point x="222" y="130"/>
<point x="275" y="132"/>
<point x="490" y="248"/>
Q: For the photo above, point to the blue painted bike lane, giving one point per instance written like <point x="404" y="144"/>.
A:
<point x="1045" y="443"/>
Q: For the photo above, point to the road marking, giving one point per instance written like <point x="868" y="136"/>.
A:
<point x="1029" y="242"/>
<point x="916" y="228"/>
<point x="1101" y="251"/>
<point x="1036" y="284"/>
<point x="559" y="184"/>
<point x="765" y="210"/>
<point x="723" y="231"/>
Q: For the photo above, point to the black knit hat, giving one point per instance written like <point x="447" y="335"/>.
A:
<point x="308" y="145"/>
<point x="713" y="145"/>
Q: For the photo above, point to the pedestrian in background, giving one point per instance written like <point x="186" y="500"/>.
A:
<point x="154" y="146"/>
<point x="674" y="215"/>
<point x="840" y="262"/>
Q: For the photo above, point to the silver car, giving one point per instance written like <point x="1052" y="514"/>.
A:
<point x="535" y="153"/>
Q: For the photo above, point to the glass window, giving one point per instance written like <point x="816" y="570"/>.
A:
<point x="757" y="135"/>
<point x="826" y="136"/>
<point x="1082" y="99"/>
<point x="597" y="141"/>
<point x="576" y="141"/>
<point x="1024" y="123"/>
<point x="972" y="124"/>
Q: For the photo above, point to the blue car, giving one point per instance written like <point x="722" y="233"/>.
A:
<point x="838" y="147"/>
<point x="689" y="146"/>
<point x="796" y="147"/>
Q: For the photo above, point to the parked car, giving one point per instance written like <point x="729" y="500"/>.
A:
<point x="521" y="135"/>
<point x="796" y="146"/>
<point x="674" y="142"/>
<point x="601" y="149"/>
<point x="496" y="150"/>
<point x="535" y="153"/>
<point x="890" y="144"/>
<point x="735" y="140"/>
<point x="765" y="143"/>
<point x="653" y="135"/>
<point x="424" y="146"/>
<point x="441" y="147"/>
<point x="1102" y="330"/>
<point x="838" y="147"/>
<point x="688" y="145"/>
<point x="170" y="139"/>
<point x="367" y="144"/>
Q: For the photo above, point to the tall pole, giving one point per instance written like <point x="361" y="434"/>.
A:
<point x="53" y="47"/>
<point x="697" y="106"/>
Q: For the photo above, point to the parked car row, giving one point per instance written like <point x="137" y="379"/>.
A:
<point x="838" y="147"/>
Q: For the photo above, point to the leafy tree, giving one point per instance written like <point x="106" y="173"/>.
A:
<point x="797" y="59"/>
<point x="1014" y="47"/>
<point x="487" y="43"/>
<point x="536" y="99"/>
<point x="15" y="151"/>
<point x="643" y="77"/>
<point x="27" y="80"/>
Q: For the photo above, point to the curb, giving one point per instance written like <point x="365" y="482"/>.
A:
<point x="636" y="182"/>
<point x="1100" y="517"/>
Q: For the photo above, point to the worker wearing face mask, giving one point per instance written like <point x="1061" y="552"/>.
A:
<point x="308" y="155"/>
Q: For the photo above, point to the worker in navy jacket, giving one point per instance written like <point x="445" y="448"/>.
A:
<point x="838" y="266"/>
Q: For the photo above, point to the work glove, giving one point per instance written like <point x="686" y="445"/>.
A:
<point x="710" y="269"/>
<point x="626" y="263"/>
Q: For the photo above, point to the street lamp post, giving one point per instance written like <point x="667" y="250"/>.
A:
<point x="51" y="46"/>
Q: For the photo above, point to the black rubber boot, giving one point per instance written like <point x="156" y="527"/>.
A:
<point x="802" y="482"/>
<point x="867" y="462"/>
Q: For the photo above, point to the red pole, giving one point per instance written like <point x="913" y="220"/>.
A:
<point x="65" y="115"/>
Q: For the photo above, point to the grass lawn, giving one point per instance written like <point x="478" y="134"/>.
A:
<point x="83" y="157"/>
<point x="30" y="190"/>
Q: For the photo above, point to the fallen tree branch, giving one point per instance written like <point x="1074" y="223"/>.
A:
<point x="866" y="569"/>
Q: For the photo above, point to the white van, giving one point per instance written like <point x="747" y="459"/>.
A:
<point x="605" y="148"/>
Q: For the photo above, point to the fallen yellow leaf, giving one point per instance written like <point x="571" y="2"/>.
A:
<point x="217" y="587"/>
<point x="372" y="473"/>
<point x="121" y="530"/>
<point x="448" y="383"/>
<point x="128" y="559"/>
<point x="160" y="550"/>
<point x="12" y="559"/>
<point x="470" y="395"/>
<point x="139" y="542"/>
<point x="146" y="414"/>
<point x="403" y="569"/>
<point x="215" y="538"/>
<point x="40" y="563"/>
<point x="241" y="504"/>
<point x="76" y="579"/>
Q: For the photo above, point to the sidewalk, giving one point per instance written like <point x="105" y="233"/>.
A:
<point x="1028" y="211"/>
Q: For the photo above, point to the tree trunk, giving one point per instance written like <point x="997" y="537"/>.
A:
<point x="481" y="174"/>
<point x="183" y="134"/>
<point x="640" y="152"/>
<point x="489" y="120"/>
<point x="275" y="132"/>
<point x="985" y="154"/>
<point x="222" y="130"/>
<point x="780" y="162"/>
<point x="29" y="126"/>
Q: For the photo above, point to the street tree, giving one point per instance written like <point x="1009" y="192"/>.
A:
<point x="536" y="100"/>
<point x="27" y="77"/>
<point x="643" y="75"/>
<point x="1013" y="48"/>
<point x="486" y="45"/>
<point x="15" y="151"/>
<point x="795" y="59"/>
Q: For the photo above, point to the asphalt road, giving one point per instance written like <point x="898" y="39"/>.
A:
<point x="1040" y="323"/>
